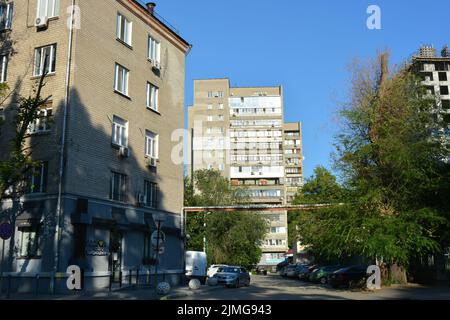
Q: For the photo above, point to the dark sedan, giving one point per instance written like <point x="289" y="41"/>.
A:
<point x="321" y="274"/>
<point x="352" y="276"/>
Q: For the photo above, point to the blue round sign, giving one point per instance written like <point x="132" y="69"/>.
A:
<point x="6" y="231"/>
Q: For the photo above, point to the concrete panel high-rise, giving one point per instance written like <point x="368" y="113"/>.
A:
<point x="241" y="132"/>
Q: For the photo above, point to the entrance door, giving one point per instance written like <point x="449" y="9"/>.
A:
<point x="116" y="239"/>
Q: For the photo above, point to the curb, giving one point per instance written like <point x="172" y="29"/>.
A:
<point x="190" y="292"/>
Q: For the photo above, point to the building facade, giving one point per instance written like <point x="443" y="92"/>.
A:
<point x="434" y="71"/>
<point x="240" y="131"/>
<point x="116" y="87"/>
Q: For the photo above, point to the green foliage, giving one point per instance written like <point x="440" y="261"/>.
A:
<point x="212" y="189"/>
<point x="14" y="170"/>
<point x="396" y="184"/>
<point x="231" y="237"/>
<point x="235" y="238"/>
<point x="320" y="188"/>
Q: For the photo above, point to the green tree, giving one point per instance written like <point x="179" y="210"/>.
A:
<point x="396" y="183"/>
<point x="15" y="168"/>
<point x="231" y="237"/>
<point x="320" y="188"/>
<point x="235" y="238"/>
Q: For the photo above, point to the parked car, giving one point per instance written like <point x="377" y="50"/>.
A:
<point x="321" y="274"/>
<point x="233" y="276"/>
<point x="352" y="276"/>
<point x="291" y="271"/>
<point x="284" y="270"/>
<point x="311" y="269"/>
<point x="282" y="265"/>
<point x="212" y="270"/>
<point x="302" y="271"/>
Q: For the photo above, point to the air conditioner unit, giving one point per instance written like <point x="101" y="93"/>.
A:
<point x="151" y="162"/>
<point x="156" y="65"/>
<point x="124" y="152"/>
<point x="142" y="199"/>
<point x="41" y="22"/>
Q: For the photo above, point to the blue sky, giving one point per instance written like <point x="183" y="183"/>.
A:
<point x="306" y="46"/>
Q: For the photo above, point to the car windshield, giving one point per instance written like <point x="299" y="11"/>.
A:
<point x="229" y="270"/>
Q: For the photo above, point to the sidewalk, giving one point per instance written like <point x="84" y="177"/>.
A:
<point x="127" y="293"/>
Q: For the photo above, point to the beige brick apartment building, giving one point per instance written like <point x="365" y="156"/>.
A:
<point x="241" y="132"/>
<point x="116" y="79"/>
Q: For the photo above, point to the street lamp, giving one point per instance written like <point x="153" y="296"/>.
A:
<point x="159" y="219"/>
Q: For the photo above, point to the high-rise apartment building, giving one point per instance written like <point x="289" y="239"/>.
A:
<point x="241" y="132"/>
<point x="104" y="139"/>
<point x="435" y="72"/>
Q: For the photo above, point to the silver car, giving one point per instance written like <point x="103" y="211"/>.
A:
<point x="233" y="277"/>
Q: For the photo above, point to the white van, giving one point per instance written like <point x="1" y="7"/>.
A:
<point x="196" y="265"/>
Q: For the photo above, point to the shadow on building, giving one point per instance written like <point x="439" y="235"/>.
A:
<point x="109" y="240"/>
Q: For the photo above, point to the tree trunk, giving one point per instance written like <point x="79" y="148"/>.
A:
<point x="393" y="273"/>
<point x="397" y="274"/>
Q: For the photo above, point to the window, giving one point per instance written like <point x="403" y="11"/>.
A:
<point x="446" y="104"/>
<point x="220" y="94"/>
<point x="275" y="242"/>
<point x="152" y="96"/>
<point x="3" y="68"/>
<point x="118" y="187"/>
<point x="37" y="179"/>
<point x="444" y="90"/>
<point x="121" y="79"/>
<point x="147" y="246"/>
<point x="220" y="117"/>
<point x="6" y="13"/>
<point x="210" y="94"/>
<point x="47" y="8"/>
<point x="151" y="144"/>
<point x="123" y="29"/>
<point x="221" y="167"/>
<point x="210" y="106"/>
<point x="442" y="76"/>
<point x="151" y="192"/>
<point x="154" y="50"/>
<point x="29" y="241"/>
<point x="278" y="230"/>
<point x="220" y="106"/>
<point x="210" y="118"/>
<point x="42" y="122"/>
<point x="120" y="132"/>
<point x="45" y="60"/>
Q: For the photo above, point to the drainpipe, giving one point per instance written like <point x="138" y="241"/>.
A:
<point x="62" y="151"/>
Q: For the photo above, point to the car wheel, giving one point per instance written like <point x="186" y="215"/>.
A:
<point x="323" y="280"/>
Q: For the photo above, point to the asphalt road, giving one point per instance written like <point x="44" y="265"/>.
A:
<point x="277" y="288"/>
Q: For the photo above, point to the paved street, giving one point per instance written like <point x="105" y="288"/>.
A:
<point x="278" y="288"/>
<point x="262" y="288"/>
